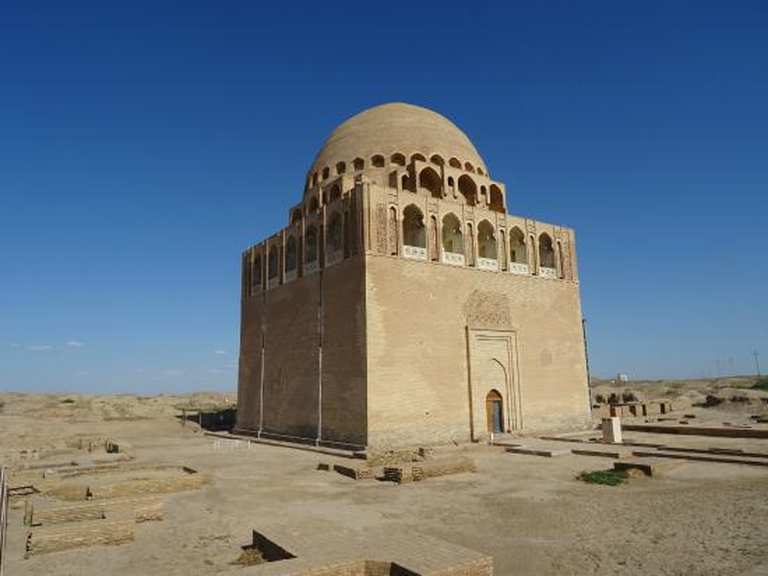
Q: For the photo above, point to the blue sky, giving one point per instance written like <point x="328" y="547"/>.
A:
<point x="143" y="145"/>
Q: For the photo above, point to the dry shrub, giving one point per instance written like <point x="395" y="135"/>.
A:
<point x="250" y="556"/>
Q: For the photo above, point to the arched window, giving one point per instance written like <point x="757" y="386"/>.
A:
<point x="341" y="167"/>
<point x="314" y="179"/>
<point x="311" y="244"/>
<point x="468" y="189"/>
<point x="291" y="254"/>
<point x="405" y="182"/>
<point x="272" y="265"/>
<point x="256" y="274"/>
<point x="468" y="167"/>
<point x="517" y="250"/>
<point x="398" y="159"/>
<point x="434" y="248"/>
<point x="334" y="235"/>
<point x="378" y="161"/>
<point x="546" y="251"/>
<point x="326" y="173"/>
<point x="455" y="163"/>
<point x="335" y="192"/>
<point x="296" y="216"/>
<point x="419" y="157"/>
<point x="496" y="200"/>
<point x="486" y="241"/>
<point x="314" y="205"/>
<point x="480" y="171"/>
<point x="450" y="182"/>
<point x="437" y="159"/>
<point x="413" y="227"/>
<point x="431" y="180"/>
<point x="453" y="239"/>
<point x="358" y="164"/>
<point x="393" y="232"/>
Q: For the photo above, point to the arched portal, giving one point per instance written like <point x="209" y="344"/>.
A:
<point x="494" y="412"/>
<point x="453" y="240"/>
<point x="334" y="235"/>
<point x="468" y="189"/>
<point x="272" y="269"/>
<point x="311" y="244"/>
<point x="546" y="251"/>
<point x="496" y="201"/>
<point x="431" y="180"/>
<point x="486" y="241"/>
<point x="517" y="249"/>
<point x="291" y="255"/>
<point x="414" y="234"/>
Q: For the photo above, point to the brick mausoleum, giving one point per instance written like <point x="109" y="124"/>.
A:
<point x="403" y="304"/>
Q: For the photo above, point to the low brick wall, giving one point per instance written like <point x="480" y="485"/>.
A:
<point x="148" y="486"/>
<point x="44" y="540"/>
<point x="430" y="469"/>
<point x="141" y="509"/>
<point x="355" y="472"/>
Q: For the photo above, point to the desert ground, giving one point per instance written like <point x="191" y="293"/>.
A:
<point x="531" y="514"/>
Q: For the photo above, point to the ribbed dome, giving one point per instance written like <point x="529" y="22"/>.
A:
<point x="395" y="128"/>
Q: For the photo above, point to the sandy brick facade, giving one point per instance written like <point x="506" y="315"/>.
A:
<point x="403" y="305"/>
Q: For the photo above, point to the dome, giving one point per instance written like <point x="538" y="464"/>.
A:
<point x="395" y="128"/>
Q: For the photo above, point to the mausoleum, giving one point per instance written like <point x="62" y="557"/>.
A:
<point x="402" y="304"/>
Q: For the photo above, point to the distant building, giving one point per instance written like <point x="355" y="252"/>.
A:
<point x="403" y="305"/>
<point x="622" y="377"/>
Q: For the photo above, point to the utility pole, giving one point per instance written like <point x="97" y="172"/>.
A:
<point x="757" y="362"/>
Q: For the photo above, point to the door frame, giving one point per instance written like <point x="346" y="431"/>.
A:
<point x="512" y="408"/>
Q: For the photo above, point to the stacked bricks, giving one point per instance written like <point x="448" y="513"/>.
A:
<point x="419" y="471"/>
<point x="355" y="472"/>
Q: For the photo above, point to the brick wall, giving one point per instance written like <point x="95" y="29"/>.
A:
<point x="418" y="358"/>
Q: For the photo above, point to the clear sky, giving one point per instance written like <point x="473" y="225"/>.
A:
<point x="143" y="145"/>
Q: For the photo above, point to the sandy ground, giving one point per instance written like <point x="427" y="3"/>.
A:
<point x="531" y="514"/>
